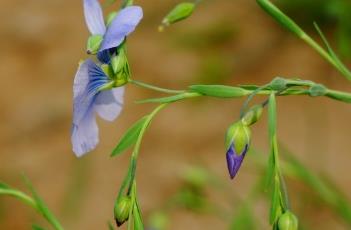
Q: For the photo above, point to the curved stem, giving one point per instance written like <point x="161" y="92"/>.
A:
<point x="155" y="88"/>
<point x="140" y="137"/>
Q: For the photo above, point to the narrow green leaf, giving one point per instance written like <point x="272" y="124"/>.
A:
<point x="337" y="60"/>
<point x="340" y="96"/>
<point x="138" y="223"/>
<point x="220" y="91"/>
<point x="129" y="138"/>
<point x="280" y="17"/>
<point x="275" y="210"/>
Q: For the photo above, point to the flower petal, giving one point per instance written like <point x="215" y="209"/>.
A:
<point x="234" y="161"/>
<point x="89" y="78"/>
<point x="123" y="24"/>
<point x="94" y="17"/>
<point x="85" y="135"/>
<point x="108" y="104"/>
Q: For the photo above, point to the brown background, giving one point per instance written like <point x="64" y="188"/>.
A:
<point x="224" y="42"/>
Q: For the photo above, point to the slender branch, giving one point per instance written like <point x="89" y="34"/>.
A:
<point x="156" y="88"/>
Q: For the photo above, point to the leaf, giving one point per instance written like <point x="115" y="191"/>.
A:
<point x="220" y="91"/>
<point x="275" y="210"/>
<point x="138" y="223"/>
<point x="337" y="60"/>
<point x="129" y="138"/>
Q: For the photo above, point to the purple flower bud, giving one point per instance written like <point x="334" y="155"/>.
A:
<point x="234" y="160"/>
<point x="237" y="144"/>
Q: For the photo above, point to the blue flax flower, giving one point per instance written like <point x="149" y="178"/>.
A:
<point x="121" y="26"/>
<point x="92" y="94"/>
<point x="237" y="144"/>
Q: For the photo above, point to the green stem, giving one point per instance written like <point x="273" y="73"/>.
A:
<point x="152" y="87"/>
<point x="140" y="137"/>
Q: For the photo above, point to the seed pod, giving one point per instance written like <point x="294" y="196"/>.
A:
<point x="318" y="90"/>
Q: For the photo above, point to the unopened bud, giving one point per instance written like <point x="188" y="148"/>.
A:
<point x="94" y="43"/>
<point x="122" y="210"/>
<point x="278" y="84"/>
<point x="178" y="13"/>
<point x="288" y="221"/>
<point x="119" y="61"/>
<point x="318" y="90"/>
<point x="252" y="116"/>
<point x="237" y="144"/>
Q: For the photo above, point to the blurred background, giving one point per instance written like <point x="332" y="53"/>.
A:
<point x="182" y="177"/>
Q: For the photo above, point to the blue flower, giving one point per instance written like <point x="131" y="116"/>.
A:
<point x="237" y="144"/>
<point x="93" y="93"/>
<point x="120" y="27"/>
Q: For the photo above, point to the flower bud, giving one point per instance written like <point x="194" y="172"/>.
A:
<point x="318" y="90"/>
<point x="180" y="12"/>
<point x="119" y="61"/>
<point x="252" y="116"/>
<point x="278" y="84"/>
<point x="94" y="43"/>
<point x="288" y="221"/>
<point x="122" y="209"/>
<point x="237" y="144"/>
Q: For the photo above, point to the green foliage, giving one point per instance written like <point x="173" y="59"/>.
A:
<point x="129" y="138"/>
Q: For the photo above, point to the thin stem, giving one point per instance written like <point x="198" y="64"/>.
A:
<point x="156" y="88"/>
<point x="140" y="137"/>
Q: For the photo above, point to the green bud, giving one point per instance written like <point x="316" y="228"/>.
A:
<point x="178" y="13"/>
<point x="288" y="221"/>
<point x="122" y="210"/>
<point x="239" y="135"/>
<point x="94" y="43"/>
<point x="110" y="18"/>
<point x="318" y="90"/>
<point x="278" y="84"/>
<point x="252" y="116"/>
<point x="119" y="61"/>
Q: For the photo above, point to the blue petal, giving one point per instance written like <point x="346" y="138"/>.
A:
<point x="108" y="104"/>
<point x="88" y="80"/>
<point x="85" y="135"/>
<point x="94" y="17"/>
<point x="123" y="24"/>
<point x="234" y="161"/>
